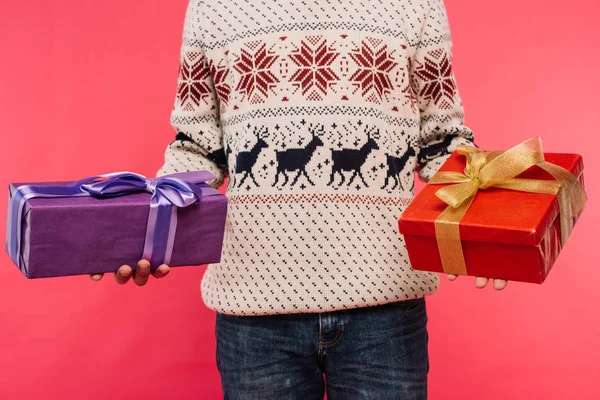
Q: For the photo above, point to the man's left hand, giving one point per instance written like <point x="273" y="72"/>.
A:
<point x="481" y="282"/>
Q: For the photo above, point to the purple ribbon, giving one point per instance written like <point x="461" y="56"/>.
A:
<point x="168" y="193"/>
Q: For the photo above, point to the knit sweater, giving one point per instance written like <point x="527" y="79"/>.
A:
<point x="318" y="112"/>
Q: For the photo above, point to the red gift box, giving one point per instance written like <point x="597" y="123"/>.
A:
<point x="505" y="234"/>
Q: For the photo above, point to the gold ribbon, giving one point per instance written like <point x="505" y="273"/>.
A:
<point x="499" y="169"/>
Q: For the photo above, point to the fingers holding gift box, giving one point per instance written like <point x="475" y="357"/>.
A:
<point x="503" y="215"/>
<point x="140" y="276"/>
<point x="481" y="282"/>
<point x="97" y="224"/>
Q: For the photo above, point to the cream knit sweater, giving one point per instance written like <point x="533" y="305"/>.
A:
<point x="318" y="112"/>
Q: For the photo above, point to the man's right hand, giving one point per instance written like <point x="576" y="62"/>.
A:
<point x="141" y="275"/>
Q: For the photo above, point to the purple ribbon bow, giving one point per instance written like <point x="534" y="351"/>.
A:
<point x="168" y="193"/>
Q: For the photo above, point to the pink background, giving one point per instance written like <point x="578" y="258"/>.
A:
<point x="86" y="87"/>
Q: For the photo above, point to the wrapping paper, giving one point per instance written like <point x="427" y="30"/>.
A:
<point x="505" y="234"/>
<point x="63" y="236"/>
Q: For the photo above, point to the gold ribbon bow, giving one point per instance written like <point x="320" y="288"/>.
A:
<point x="499" y="169"/>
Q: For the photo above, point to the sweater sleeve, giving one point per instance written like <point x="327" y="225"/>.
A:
<point x="441" y="111"/>
<point x="198" y="142"/>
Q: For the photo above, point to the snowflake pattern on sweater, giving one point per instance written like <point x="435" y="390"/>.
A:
<point x="319" y="113"/>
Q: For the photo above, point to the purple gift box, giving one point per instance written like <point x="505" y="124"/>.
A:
<point x="100" y="223"/>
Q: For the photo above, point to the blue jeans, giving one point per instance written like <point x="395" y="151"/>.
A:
<point x="377" y="352"/>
